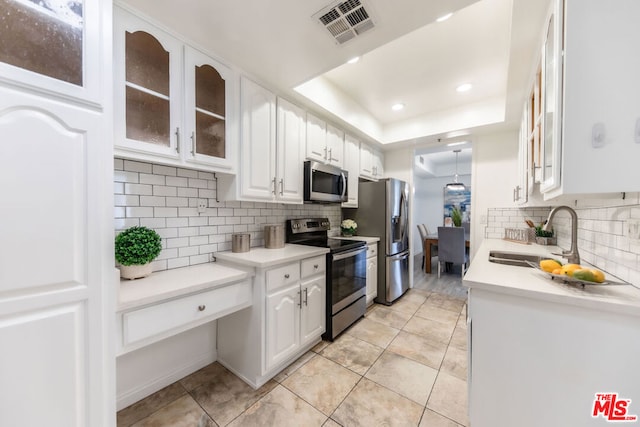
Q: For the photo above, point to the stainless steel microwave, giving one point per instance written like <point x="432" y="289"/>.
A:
<point x="324" y="183"/>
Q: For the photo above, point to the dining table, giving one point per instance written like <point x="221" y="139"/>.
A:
<point x="429" y="242"/>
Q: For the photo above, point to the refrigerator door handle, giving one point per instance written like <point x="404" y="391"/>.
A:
<point x="401" y="255"/>
<point x="403" y="217"/>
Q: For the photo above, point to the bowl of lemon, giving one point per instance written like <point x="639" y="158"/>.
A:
<point x="571" y="273"/>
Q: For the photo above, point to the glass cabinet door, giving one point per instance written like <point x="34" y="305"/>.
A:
<point x="53" y="47"/>
<point x="148" y="83"/>
<point x="552" y="100"/>
<point x="147" y="89"/>
<point x="208" y="108"/>
<point x="209" y="137"/>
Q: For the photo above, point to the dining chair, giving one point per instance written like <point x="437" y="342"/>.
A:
<point x="423" y="235"/>
<point x="451" y="248"/>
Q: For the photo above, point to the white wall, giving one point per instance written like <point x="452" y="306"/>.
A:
<point x="494" y="175"/>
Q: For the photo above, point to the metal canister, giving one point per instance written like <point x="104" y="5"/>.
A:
<point x="274" y="236"/>
<point x="240" y="242"/>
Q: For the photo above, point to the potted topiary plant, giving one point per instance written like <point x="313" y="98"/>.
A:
<point x="135" y="248"/>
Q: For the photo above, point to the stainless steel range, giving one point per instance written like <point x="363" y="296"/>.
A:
<point x="346" y="272"/>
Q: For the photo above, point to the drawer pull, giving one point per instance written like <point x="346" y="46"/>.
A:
<point x="286" y="276"/>
<point x="315" y="266"/>
<point x="201" y="307"/>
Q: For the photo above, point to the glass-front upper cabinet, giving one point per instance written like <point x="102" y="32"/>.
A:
<point x="174" y="104"/>
<point x="208" y="105"/>
<point x="147" y="87"/>
<point x="46" y="45"/>
<point x="552" y="99"/>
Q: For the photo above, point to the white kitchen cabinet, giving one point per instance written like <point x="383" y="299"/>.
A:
<point x="283" y="324"/>
<point x="352" y="165"/>
<point x="271" y="163"/>
<point x="325" y="143"/>
<point x="371" y="163"/>
<point x="548" y="355"/>
<point x="286" y="319"/>
<point x="372" y="272"/>
<point x="174" y="105"/>
<point x="312" y="311"/>
<point x="591" y="117"/>
<point x="291" y="134"/>
<point x="258" y="145"/>
<point x="56" y="258"/>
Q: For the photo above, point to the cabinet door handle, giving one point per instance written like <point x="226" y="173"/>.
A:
<point x="286" y="276"/>
<point x="177" y="140"/>
<point x="306" y="297"/>
<point x="514" y="194"/>
<point x="273" y="184"/>
<point x="299" y="299"/>
<point x="330" y="154"/>
<point x="193" y="144"/>
<point x="281" y="186"/>
<point x="325" y="152"/>
<point x="315" y="266"/>
<point x="202" y="307"/>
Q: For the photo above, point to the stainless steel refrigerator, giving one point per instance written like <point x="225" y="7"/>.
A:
<point x="383" y="211"/>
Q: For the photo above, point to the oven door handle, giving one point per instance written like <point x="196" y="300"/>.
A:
<point x="349" y="254"/>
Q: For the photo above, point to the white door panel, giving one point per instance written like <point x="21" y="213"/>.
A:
<point x="44" y="214"/>
<point x="42" y="366"/>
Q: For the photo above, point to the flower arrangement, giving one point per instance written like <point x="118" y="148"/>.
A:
<point x="348" y="227"/>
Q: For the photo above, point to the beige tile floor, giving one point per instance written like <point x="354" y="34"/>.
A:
<point x="403" y="365"/>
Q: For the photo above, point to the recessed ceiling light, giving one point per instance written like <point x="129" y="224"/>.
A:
<point x="353" y="60"/>
<point x="397" y="107"/>
<point x="464" y="87"/>
<point x="444" y="17"/>
<point x="452" y="144"/>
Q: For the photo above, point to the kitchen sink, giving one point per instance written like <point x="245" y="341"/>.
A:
<point x="514" y="258"/>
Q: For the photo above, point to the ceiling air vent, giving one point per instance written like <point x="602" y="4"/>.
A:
<point x="345" y="20"/>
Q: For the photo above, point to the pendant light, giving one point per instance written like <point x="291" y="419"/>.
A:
<point x="455" y="185"/>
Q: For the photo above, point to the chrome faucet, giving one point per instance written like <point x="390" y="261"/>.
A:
<point x="572" y="254"/>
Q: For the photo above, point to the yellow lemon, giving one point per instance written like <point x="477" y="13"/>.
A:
<point x="568" y="269"/>
<point x="598" y="275"/>
<point x="557" y="271"/>
<point x="549" y="265"/>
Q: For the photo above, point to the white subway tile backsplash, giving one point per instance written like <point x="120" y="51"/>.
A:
<point x="133" y="166"/>
<point x="602" y="234"/>
<point x="165" y="199"/>
<point x="164" y="170"/>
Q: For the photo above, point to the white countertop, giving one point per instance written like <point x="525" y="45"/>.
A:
<point x="163" y="285"/>
<point x="533" y="283"/>
<point x="263" y="257"/>
<point x="363" y="238"/>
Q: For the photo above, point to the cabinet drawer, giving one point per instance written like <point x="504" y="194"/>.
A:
<point x="283" y="276"/>
<point x="372" y="250"/>
<point x="182" y="313"/>
<point x="313" y="266"/>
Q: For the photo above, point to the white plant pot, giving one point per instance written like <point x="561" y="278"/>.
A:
<point x="135" y="271"/>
